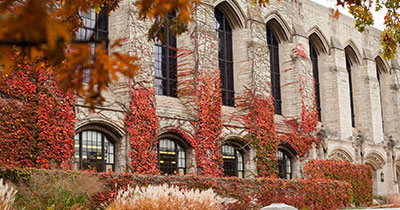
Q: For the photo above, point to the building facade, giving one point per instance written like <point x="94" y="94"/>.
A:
<point x="357" y="92"/>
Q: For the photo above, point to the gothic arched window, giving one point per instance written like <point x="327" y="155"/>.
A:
<point x="379" y="71"/>
<point x="165" y="64"/>
<point x="171" y="156"/>
<point x="314" y="61"/>
<point x="93" y="149"/>
<point x="233" y="161"/>
<point x="225" y="57"/>
<point x="273" y="46"/>
<point x="348" y="67"/>
<point x="94" y="29"/>
<point x="284" y="164"/>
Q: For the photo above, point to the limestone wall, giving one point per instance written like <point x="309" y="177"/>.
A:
<point x="298" y="20"/>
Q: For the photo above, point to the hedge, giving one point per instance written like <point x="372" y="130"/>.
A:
<point x="248" y="193"/>
<point x="358" y="175"/>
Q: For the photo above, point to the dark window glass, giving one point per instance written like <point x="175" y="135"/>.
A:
<point x="348" y="67"/>
<point x="273" y="46"/>
<point x="233" y="161"/>
<point x="225" y="57"/>
<point x="171" y="157"/>
<point x="378" y="76"/>
<point x="165" y="65"/>
<point x="94" y="150"/>
<point x="284" y="165"/>
<point x="314" y="61"/>
<point x="95" y="28"/>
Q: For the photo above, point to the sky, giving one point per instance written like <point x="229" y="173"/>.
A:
<point x="378" y="16"/>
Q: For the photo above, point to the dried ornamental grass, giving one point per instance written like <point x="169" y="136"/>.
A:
<point x="7" y="194"/>
<point x="163" y="197"/>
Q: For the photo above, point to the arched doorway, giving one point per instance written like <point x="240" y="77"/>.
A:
<point x="94" y="150"/>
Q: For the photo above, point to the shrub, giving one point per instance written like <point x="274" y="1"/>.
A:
<point x="164" y="197"/>
<point x="358" y="175"/>
<point x="6" y="196"/>
<point x="56" y="190"/>
<point x="249" y="193"/>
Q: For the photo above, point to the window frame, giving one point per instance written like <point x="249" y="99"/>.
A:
<point x="99" y="33"/>
<point x="165" y="64"/>
<point x="177" y="145"/>
<point x="225" y="56"/>
<point x="236" y="171"/>
<point x="349" y="69"/>
<point x="286" y="156"/>
<point x="273" y="47"/>
<point x="314" y="63"/>
<point x="104" y="137"/>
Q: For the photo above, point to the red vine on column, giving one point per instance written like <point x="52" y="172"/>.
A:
<point x="257" y="114"/>
<point x="142" y="125"/>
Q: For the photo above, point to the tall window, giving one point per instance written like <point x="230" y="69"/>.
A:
<point x="165" y="64"/>
<point x="378" y="76"/>
<point x="348" y="67"/>
<point x="314" y="61"/>
<point x="273" y="46"/>
<point x="171" y="157"/>
<point x="225" y="57"/>
<point x="284" y="165"/>
<point x="94" y="150"/>
<point x="95" y="29"/>
<point x="233" y="161"/>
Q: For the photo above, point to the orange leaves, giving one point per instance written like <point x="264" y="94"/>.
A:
<point x="44" y="31"/>
<point x="103" y="70"/>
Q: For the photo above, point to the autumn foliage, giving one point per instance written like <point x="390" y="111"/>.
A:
<point x="358" y="175"/>
<point x="258" y="116"/>
<point x="318" y="194"/>
<point x="36" y="119"/>
<point x="142" y="125"/>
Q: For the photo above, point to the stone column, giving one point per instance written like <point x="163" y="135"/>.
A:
<point x="337" y="116"/>
<point x="295" y="69"/>
<point x="390" y="84"/>
<point x="367" y="105"/>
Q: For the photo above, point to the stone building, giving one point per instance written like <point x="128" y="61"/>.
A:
<point x="357" y="92"/>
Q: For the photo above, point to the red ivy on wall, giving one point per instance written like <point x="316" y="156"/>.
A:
<point x="208" y="125"/>
<point x="36" y="119"/>
<point x="358" y="175"/>
<point x="257" y="114"/>
<point x="302" y="130"/>
<point x="199" y="88"/>
<point x="142" y="125"/>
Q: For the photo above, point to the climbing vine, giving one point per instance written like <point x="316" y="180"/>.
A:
<point x="200" y="89"/>
<point x="257" y="114"/>
<point x="301" y="133"/>
<point x="36" y="119"/>
<point x="142" y="125"/>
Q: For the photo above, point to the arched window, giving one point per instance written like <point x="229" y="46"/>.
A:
<point x="165" y="64"/>
<point x="233" y="161"/>
<point x="348" y="67"/>
<point x="379" y="71"/>
<point x="171" y="157"/>
<point x="273" y="46"/>
<point x="314" y="61"/>
<point x="225" y="57"/>
<point x="95" y="150"/>
<point x="95" y="27"/>
<point x="284" y="164"/>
